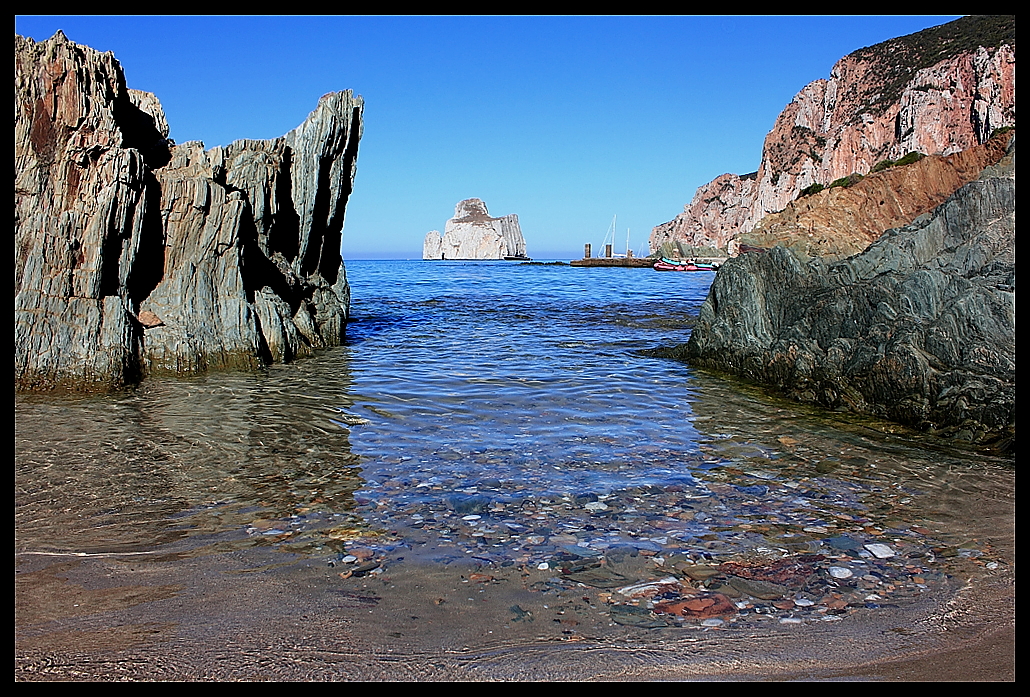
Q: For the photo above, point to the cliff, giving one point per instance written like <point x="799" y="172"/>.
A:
<point x="136" y="256"/>
<point x="919" y="328"/>
<point x="845" y="219"/>
<point x="936" y="92"/>
<point x="473" y="234"/>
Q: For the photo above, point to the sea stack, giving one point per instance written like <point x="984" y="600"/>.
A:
<point x="473" y="234"/>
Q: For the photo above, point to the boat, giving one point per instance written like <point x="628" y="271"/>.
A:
<point x="666" y="264"/>
<point x="610" y="235"/>
<point x="626" y="260"/>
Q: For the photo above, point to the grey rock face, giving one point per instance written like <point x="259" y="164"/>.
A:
<point x="473" y="234"/>
<point x="918" y="329"/>
<point x="231" y="255"/>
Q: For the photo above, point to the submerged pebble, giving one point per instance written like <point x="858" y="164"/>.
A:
<point x="880" y="551"/>
<point x="840" y="572"/>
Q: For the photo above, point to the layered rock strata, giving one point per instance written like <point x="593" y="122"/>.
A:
<point x="473" y="234"/>
<point x="136" y="256"/>
<point x="844" y="220"/>
<point x="918" y="329"/>
<point x="936" y="92"/>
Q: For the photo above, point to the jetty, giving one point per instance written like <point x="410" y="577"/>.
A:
<point x="611" y="260"/>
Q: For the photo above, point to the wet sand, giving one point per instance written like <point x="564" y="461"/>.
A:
<point x="262" y="615"/>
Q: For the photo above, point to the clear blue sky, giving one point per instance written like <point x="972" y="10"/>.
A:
<point x="565" y="121"/>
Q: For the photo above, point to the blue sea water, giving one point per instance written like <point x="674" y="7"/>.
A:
<point x="536" y="366"/>
<point x="496" y="383"/>
<point x="492" y="417"/>
<point x="500" y="410"/>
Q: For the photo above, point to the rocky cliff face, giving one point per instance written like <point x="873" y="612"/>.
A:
<point x="135" y="256"/>
<point x="919" y="328"/>
<point x="844" y="220"/>
<point x="473" y="234"/>
<point x="936" y="92"/>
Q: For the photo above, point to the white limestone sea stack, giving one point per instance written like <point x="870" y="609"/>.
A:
<point x="473" y="234"/>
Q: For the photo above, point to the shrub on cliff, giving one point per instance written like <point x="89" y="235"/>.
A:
<point x="908" y="159"/>
<point x="847" y="181"/>
<point x="811" y="189"/>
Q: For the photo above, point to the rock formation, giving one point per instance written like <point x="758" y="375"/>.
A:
<point x="919" y="328"/>
<point x="936" y="92"/>
<point x="844" y="220"/>
<point x="136" y="256"/>
<point x="473" y="234"/>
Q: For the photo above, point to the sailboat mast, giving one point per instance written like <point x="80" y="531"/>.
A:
<point x="610" y="233"/>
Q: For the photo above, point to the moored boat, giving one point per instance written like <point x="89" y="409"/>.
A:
<point x="666" y="264"/>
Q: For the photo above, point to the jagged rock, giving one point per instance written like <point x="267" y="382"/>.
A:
<point x="473" y="234"/>
<point x="135" y="256"/>
<point x="918" y="329"/>
<point x="936" y="92"/>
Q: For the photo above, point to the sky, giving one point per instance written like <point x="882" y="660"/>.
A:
<point x="568" y="122"/>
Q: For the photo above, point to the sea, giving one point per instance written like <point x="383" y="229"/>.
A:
<point x="495" y="478"/>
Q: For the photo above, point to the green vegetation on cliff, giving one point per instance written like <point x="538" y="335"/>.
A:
<point x="897" y="60"/>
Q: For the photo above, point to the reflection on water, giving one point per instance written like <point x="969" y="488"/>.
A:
<point x="230" y="460"/>
<point x="503" y="414"/>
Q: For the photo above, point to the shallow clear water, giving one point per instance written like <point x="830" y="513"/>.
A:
<point x="504" y="416"/>
<point x="499" y="385"/>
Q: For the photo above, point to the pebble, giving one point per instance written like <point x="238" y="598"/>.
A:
<point x="843" y="542"/>
<point x="634" y="616"/>
<point x="880" y="551"/>
<point x="650" y="588"/>
<point x="709" y="530"/>
<point x="758" y="589"/>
